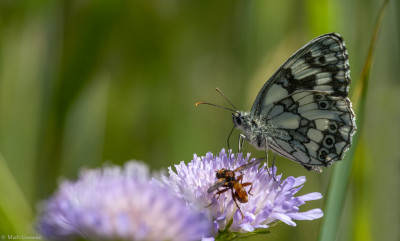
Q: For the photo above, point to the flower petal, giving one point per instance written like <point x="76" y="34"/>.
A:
<point x="311" y="196"/>
<point x="247" y="227"/>
<point x="270" y="198"/>
<point x="117" y="203"/>
<point x="284" y="218"/>
<point x="309" y="215"/>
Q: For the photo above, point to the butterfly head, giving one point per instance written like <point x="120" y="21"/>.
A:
<point x="241" y="120"/>
<point x="237" y="119"/>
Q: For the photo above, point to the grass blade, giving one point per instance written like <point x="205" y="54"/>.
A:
<point x="15" y="212"/>
<point x="341" y="172"/>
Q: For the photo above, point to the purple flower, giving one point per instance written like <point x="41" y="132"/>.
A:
<point x="271" y="200"/>
<point x="117" y="203"/>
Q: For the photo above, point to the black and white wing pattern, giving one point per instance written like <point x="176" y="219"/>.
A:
<point x="305" y="104"/>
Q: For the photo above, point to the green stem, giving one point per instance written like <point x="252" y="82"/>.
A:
<point x="341" y="172"/>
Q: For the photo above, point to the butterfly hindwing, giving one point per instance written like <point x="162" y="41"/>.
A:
<point x="312" y="127"/>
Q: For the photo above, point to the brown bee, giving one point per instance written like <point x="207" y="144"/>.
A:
<point x="228" y="181"/>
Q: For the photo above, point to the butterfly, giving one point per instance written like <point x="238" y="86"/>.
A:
<point x="302" y="112"/>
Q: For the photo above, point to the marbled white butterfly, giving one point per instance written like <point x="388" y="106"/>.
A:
<point x="302" y="112"/>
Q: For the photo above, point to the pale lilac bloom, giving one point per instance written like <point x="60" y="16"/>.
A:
<point x="272" y="200"/>
<point x="115" y="203"/>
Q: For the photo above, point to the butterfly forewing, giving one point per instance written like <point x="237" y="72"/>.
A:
<point x="305" y="106"/>
<point x="320" y="65"/>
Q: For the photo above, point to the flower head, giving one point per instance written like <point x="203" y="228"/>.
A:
<point x="269" y="200"/>
<point x="119" y="203"/>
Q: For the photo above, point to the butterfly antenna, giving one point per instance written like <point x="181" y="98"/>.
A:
<point x="219" y="91"/>
<point x="207" y="103"/>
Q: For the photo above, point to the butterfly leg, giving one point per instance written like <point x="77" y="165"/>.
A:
<point x="241" y="140"/>
<point x="273" y="161"/>
<point x="266" y="155"/>
<point x="272" y="167"/>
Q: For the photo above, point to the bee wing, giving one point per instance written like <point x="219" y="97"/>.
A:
<point x="249" y="165"/>
<point x="219" y="183"/>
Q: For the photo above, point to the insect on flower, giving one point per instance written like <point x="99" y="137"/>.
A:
<point x="229" y="181"/>
<point x="302" y="112"/>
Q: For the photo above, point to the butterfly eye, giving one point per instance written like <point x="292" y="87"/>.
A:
<point x="237" y="120"/>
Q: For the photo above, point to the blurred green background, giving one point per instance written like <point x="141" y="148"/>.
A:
<point x="86" y="82"/>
